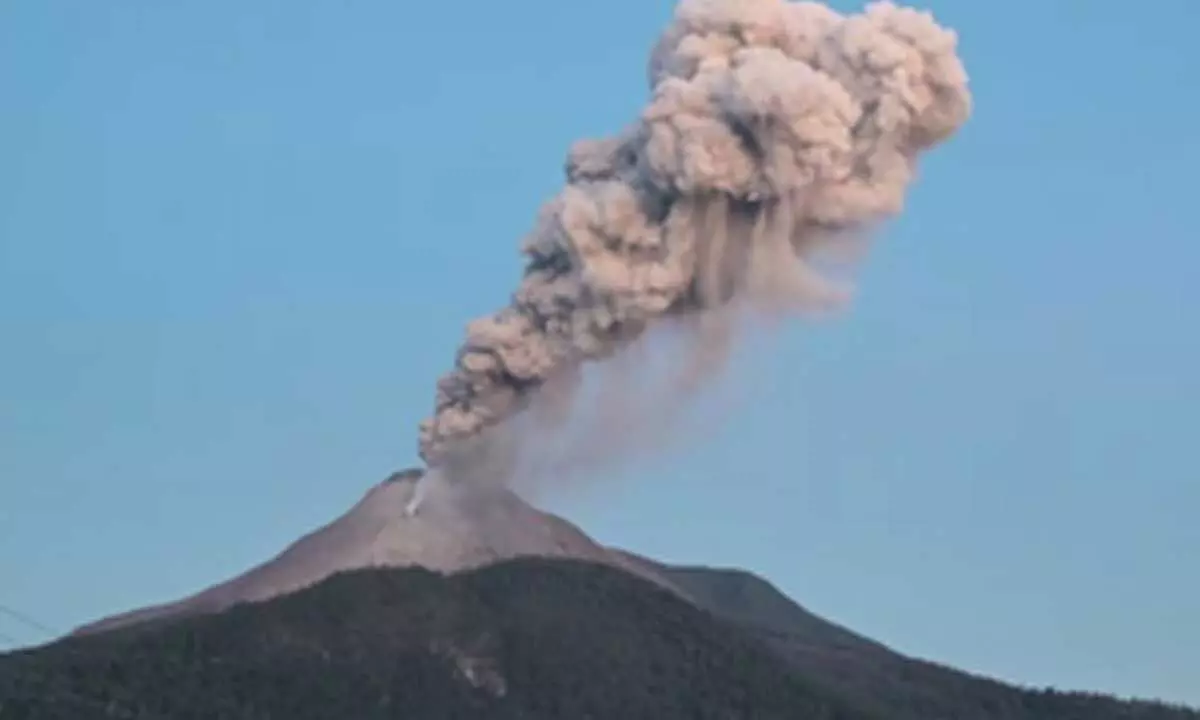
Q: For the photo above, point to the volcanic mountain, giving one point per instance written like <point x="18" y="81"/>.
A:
<point x="459" y="531"/>
<point x="481" y="605"/>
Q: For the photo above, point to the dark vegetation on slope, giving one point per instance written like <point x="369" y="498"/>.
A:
<point x="751" y="601"/>
<point x="880" y="680"/>
<point x="529" y="639"/>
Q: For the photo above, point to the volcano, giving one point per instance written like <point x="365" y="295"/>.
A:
<point x="460" y="531"/>
<point x="481" y="605"/>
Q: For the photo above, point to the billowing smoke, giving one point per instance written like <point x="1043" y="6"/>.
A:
<point x="774" y="130"/>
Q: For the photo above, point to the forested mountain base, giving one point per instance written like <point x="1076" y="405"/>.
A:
<point x="532" y="639"/>
<point x="880" y="680"/>
<point x="525" y="639"/>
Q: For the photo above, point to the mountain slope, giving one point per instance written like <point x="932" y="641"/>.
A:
<point x="879" y="679"/>
<point x="749" y="600"/>
<point x="457" y="532"/>
<point x="463" y="532"/>
<point x="530" y="638"/>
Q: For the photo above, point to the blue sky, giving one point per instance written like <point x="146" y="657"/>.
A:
<point x="239" y="242"/>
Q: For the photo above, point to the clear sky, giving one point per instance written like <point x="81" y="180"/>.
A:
<point x="239" y="241"/>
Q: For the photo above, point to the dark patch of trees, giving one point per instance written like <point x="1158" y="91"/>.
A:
<point x="881" y="681"/>
<point x="527" y="639"/>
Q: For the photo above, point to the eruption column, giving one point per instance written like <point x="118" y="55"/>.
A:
<point x="773" y="128"/>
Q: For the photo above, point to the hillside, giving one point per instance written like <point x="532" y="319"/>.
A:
<point x="458" y="531"/>
<point x="530" y="638"/>
<point x="751" y="601"/>
<point x="879" y="679"/>
<point x="466" y="532"/>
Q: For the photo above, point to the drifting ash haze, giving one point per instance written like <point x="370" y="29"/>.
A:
<point x="774" y="130"/>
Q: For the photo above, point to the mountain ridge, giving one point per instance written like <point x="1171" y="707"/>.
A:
<point x="458" y="531"/>
<point x="531" y="637"/>
<point x="468" y="532"/>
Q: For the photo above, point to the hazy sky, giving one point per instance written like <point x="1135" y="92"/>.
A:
<point x="239" y="241"/>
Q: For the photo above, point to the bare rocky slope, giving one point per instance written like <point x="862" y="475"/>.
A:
<point x="457" y="533"/>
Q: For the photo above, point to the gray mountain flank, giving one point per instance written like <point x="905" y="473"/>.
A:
<point x="456" y="533"/>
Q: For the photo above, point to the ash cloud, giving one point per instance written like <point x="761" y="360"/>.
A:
<point x="774" y="131"/>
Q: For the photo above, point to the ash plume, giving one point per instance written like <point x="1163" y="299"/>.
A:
<point x="774" y="130"/>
